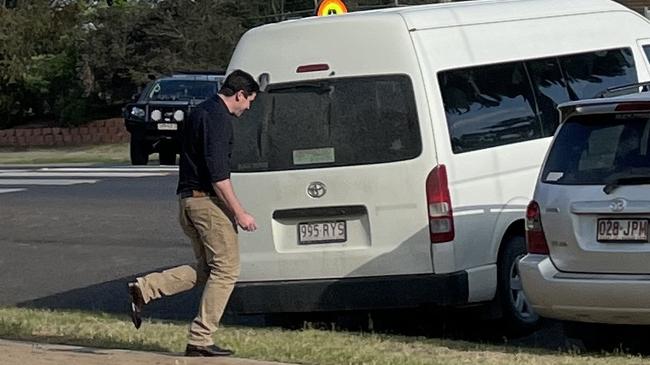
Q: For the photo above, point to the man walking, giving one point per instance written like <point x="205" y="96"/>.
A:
<point x="209" y="215"/>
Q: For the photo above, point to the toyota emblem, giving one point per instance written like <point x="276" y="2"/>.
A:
<point x="617" y="205"/>
<point x="316" y="189"/>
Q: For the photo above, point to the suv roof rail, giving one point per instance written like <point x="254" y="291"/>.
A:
<point x="624" y="90"/>
<point x="179" y="73"/>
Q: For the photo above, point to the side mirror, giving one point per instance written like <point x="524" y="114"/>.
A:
<point x="135" y="96"/>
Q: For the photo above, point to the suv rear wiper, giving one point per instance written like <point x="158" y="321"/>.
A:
<point x="628" y="180"/>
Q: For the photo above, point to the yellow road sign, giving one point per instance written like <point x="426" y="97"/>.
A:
<point x="331" y="7"/>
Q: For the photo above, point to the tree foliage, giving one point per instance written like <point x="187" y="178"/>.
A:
<point x="66" y="61"/>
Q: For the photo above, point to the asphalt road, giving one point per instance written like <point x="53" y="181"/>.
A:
<point x="73" y="237"/>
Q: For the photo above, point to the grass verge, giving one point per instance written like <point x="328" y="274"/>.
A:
<point x="307" y="346"/>
<point x="112" y="153"/>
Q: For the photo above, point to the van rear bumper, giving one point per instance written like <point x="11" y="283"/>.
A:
<point x="402" y="291"/>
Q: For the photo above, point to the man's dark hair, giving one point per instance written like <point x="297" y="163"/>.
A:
<point x="239" y="80"/>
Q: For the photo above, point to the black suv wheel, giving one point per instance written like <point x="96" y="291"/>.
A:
<point x="167" y="156"/>
<point x="139" y="151"/>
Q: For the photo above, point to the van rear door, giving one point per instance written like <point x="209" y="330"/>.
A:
<point x="332" y="170"/>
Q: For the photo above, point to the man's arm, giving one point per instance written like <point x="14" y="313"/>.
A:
<point x="226" y="193"/>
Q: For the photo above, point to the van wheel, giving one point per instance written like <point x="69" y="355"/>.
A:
<point x="518" y="315"/>
<point x="139" y="152"/>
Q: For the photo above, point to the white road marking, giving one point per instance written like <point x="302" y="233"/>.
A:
<point x="4" y="191"/>
<point x="110" y="169"/>
<point x="66" y="176"/>
<point x="81" y="174"/>
<point x="58" y="182"/>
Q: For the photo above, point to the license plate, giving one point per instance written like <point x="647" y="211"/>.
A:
<point x="322" y="232"/>
<point x="167" y="126"/>
<point x="614" y="230"/>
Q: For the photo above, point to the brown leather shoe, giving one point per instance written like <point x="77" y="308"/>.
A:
<point x="137" y="302"/>
<point x="206" y="351"/>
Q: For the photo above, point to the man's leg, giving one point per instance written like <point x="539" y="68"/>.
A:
<point x="221" y="249"/>
<point x="172" y="281"/>
<point x="181" y="278"/>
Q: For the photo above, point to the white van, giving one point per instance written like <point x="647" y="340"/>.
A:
<point x="392" y="158"/>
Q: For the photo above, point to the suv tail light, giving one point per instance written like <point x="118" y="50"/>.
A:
<point x="535" y="239"/>
<point x="441" y="217"/>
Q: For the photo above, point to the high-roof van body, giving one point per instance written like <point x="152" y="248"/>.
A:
<point x="392" y="159"/>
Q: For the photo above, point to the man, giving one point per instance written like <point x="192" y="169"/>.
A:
<point x="209" y="215"/>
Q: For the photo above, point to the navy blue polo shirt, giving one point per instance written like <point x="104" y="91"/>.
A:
<point x="206" y="147"/>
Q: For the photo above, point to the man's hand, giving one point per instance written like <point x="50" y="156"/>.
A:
<point x="246" y="222"/>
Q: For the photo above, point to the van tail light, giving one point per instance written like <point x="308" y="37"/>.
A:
<point x="441" y="217"/>
<point x="535" y="239"/>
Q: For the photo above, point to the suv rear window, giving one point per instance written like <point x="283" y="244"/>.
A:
<point x="597" y="149"/>
<point x="324" y="123"/>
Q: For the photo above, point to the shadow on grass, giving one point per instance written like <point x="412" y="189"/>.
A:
<point x="112" y="297"/>
<point x="462" y="328"/>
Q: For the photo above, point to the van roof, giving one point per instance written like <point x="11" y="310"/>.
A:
<point x="474" y="12"/>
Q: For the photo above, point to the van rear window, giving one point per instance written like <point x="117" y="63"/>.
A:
<point x="326" y="123"/>
<point x="597" y="149"/>
<point x="493" y="105"/>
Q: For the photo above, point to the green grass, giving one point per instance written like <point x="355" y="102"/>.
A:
<point x="112" y="153"/>
<point x="308" y="346"/>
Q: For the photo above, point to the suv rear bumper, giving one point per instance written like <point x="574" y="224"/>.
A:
<point x="601" y="298"/>
<point x="401" y="291"/>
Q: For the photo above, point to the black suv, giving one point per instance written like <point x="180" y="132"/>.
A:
<point x="156" y="117"/>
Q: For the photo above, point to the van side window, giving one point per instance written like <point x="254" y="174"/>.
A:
<point x="550" y="91"/>
<point x="588" y="74"/>
<point x="489" y="106"/>
<point x="329" y="122"/>
<point x="494" y="105"/>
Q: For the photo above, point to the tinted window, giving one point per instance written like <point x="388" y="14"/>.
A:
<point x="597" y="149"/>
<point x="334" y="122"/>
<point x="493" y="105"/>
<point x="550" y="90"/>
<point x="489" y="106"/>
<point x="588" y="74"/>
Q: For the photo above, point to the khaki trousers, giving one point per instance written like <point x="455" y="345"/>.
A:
<point x="214" y="240"/>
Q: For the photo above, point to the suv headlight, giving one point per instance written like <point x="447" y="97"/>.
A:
<point x="156" y="115"/>
<point x="179" y="115"/>
<point x="137" y="112"/>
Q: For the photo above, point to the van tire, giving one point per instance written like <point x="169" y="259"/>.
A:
<point x="518" y="315"/>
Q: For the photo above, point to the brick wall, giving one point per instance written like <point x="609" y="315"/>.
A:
<point x="97" y="132"/>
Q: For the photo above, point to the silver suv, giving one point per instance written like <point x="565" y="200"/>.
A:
<point x="587" y="227"/>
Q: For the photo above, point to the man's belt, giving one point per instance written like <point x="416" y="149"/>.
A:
<point x="195" y="194"/>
